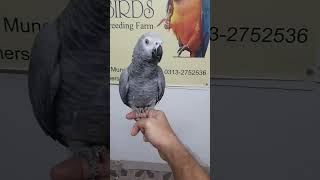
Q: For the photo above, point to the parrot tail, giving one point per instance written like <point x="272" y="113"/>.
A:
<point x="205" y="18"/>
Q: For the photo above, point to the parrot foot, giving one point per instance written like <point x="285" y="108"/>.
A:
<point x="147" y="109"/>
<point x="180" y="43"/>
<point x="138" y="111"/>
<point x="166" y="23"/>
<point x="183" y="48"/>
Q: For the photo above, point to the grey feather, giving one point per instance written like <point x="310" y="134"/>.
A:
<point x="68" y="79"/>
<point x="44" y="78"/>
<point x="124" y="86"/>
<point x="161" y="84"/>
<point x="67" y="75"/>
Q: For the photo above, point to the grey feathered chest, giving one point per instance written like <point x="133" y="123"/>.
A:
<point x="141" y="88"/>
<point x="143" y="91"/>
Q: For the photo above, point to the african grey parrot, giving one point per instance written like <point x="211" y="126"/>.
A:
<point x="68" y="78"/>
<point x="142" y="84"/>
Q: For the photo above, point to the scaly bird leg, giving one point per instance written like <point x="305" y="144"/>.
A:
<point x="138" y="112"/>
<point x="194" y="39"/>
<point x="179" y="42"/>
<point x="146" y="110"/>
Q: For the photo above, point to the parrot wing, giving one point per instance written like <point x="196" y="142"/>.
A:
<point x="161" y="84"/>
<point x="124" y="86"/>
<point x="44" y="78"/>
<point x="205" y="20"/>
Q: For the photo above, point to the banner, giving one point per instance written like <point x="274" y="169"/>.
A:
<point x="264" y="39"/>
<point x="20" y="21"/>
<point x="185" y="30"/>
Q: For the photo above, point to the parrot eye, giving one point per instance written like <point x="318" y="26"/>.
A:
<point x="147" y="41"/>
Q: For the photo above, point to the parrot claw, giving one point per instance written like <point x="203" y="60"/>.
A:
<point x="146" y="110"/>
<point x="183" y="48"/>
<point x="166" y="23"/>
<point x="138" y="112"/>
<point x="162" y="20"/>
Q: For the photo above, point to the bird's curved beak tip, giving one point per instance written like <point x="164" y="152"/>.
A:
<point x="157" y="53"/>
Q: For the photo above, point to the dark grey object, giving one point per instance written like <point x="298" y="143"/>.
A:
<point x="68" y="76"/>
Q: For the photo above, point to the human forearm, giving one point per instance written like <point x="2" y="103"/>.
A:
<point x="183" y="165"/>
<point x="157" y="131"/>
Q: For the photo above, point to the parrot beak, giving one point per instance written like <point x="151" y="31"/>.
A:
<point x="157" y="53"/>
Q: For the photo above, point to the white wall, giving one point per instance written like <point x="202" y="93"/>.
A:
<point x="258" y="133"/>
<point x="188" y="111"/>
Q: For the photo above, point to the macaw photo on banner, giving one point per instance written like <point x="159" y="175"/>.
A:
<point x="183" y="27"/>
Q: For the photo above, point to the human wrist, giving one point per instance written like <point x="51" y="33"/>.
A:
<point x="172" y="149"/>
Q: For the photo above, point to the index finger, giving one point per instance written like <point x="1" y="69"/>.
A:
<point x="134" y="115"/>
<point x="131" y="115"/>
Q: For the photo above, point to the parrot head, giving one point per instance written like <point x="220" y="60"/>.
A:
<point x="149" y="48"/>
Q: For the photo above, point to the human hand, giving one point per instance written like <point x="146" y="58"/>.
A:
<point x="156" y="130"/>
